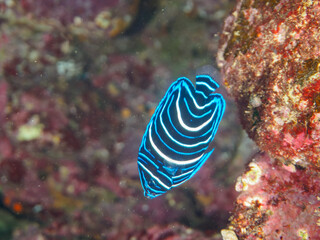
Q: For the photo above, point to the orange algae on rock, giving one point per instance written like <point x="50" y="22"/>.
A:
<point x="270" y="55"/>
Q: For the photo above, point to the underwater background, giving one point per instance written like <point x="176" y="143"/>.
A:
<point x="79" y="81"/>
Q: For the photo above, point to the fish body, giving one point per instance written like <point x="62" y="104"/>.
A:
<point x="174" y="145"/>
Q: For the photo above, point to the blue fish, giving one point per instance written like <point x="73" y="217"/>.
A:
<point x="174" y="146"/>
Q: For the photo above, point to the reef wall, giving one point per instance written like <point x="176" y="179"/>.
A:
<point x="269" y="56"/>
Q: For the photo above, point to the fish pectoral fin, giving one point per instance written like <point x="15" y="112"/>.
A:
<point x="188" y="173"/>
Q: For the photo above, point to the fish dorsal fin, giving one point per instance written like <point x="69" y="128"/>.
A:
<point x="205" y="84"/>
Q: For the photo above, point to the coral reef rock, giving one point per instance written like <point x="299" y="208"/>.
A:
<point x="277" y="202"/>
<point x="269" y="55"/>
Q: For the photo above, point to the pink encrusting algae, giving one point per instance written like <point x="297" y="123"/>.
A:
<point x="276" y="201"/>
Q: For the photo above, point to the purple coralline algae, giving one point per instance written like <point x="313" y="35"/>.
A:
<point x="269" y="55"/>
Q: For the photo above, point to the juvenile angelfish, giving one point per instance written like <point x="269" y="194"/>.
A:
<point x="174" y="146"/>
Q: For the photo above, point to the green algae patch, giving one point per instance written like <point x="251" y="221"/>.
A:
<point x="261" y="3"/>
<point x="29" y="132"/>
<point x="309" y="68"/>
